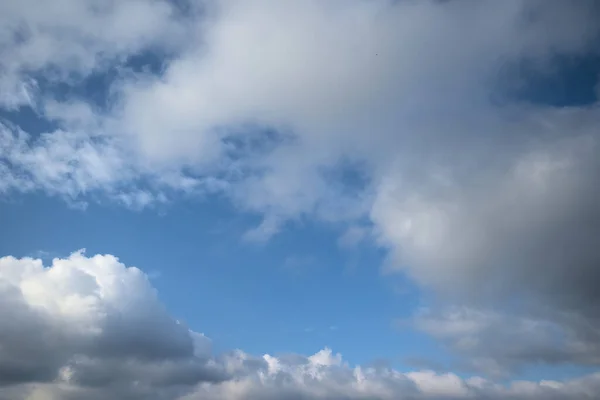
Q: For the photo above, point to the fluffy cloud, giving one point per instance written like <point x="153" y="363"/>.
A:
<point x="90" y="327"/>
<point x="366" y="71"/>
<point x="372" y="83"/>
<point x="320" y="377"/>
<point x="87" y="323"/>
<point x="403" y="113"/>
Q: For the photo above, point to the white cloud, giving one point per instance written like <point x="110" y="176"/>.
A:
<point x="304" y="378"/>
<point x="93" y="322"/>
<point x="69" y="38"/>
<point x="79" y="167"/>
<point x="90" y="327"/>
<point x="365" y="84"/>
<point x="476" y="200"/>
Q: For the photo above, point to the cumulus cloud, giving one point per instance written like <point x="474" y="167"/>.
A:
<point x="90" y="327"/>
<point x="403" y="113"/>
<point x="91" y="322"/>
<point x="325" y="376"/>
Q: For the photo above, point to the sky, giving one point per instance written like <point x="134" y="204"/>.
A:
<point x="303" y="200"/>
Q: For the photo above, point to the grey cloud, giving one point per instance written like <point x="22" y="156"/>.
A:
<point x="310" y="380"/>
<point x="92" y="324"/>
<point x="346" y="102"/>
<point x="24" y="356"/>
<point x="477" y="201"/>
<point x="54" y="317"/>
<point x="123" y="371"/>
<point x="520" y="238"/>
<point x="500" y="344"/>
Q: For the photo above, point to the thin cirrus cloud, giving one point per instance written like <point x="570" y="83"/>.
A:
<point x="479" y="195"/>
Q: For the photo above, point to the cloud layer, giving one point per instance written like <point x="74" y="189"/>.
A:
<point x="90" y="327"/>
<point x="407" y="118"/>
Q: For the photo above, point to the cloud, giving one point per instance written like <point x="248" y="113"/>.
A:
<point x="401" y="114"/>
<point x="499" y="344"/>
<point x="364" y="86"/>
<point x="88" y="323"/>
<point x="325" y="376"/>
<point x="79" y="167"/>
<point x="70" y="40"/>
<point x="90" y="327"/>
<point x="518" y="215"/>
<point x="516" y="240"/>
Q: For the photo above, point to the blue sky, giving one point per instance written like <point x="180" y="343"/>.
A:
<point x="410" y="185"/>
<point x="331" y="290"/>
